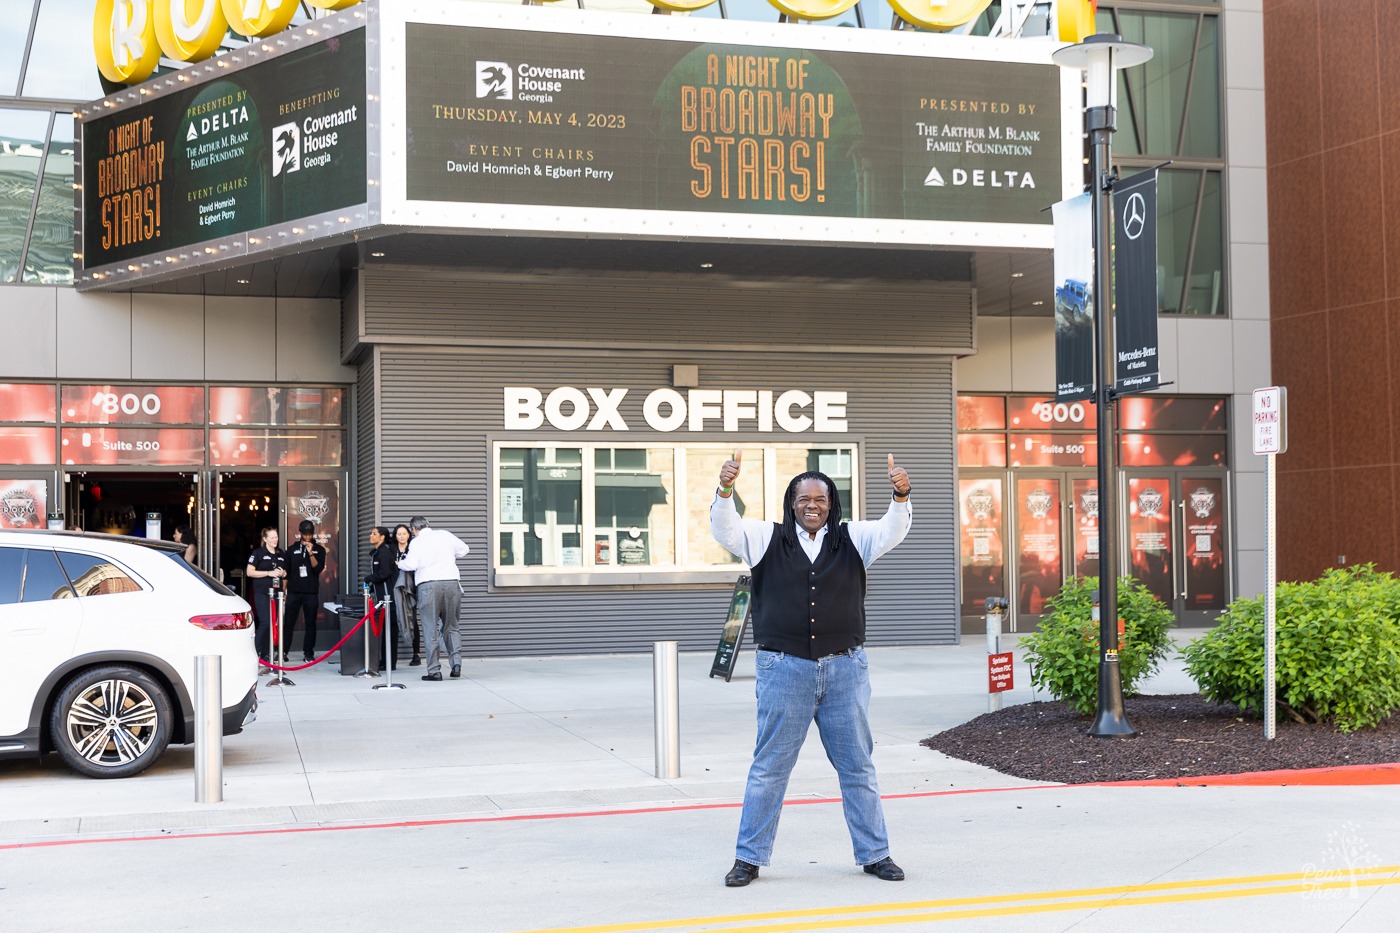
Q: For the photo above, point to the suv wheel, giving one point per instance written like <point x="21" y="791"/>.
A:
<point x="111" y="722"/>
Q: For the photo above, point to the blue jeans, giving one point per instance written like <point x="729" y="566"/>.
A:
<point x="791" y="693"/>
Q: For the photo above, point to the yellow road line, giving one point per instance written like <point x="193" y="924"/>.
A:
<point x="1006" y="905"/>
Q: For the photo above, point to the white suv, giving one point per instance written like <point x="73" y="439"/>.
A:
<point x="99" y="636"/>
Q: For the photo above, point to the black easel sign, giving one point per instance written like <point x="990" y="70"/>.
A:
<point x="732" y="638"/>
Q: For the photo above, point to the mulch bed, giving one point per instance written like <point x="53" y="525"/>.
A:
<point x="1179" y="735"/>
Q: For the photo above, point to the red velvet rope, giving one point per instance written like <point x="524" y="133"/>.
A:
<point x="371" y="615"/>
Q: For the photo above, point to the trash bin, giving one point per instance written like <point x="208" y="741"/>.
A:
<point x="352" y="653"/>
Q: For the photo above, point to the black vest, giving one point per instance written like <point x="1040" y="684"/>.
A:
<point x="809" y="609"/>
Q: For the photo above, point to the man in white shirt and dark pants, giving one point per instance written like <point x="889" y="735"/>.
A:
<point x="433" y="560"/>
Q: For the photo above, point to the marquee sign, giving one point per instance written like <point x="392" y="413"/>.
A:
<point x="495" y="120"/>
<point x="130" y="36"/>
<point x="186" y="172"/>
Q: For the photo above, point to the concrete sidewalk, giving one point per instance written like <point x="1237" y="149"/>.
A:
<point x="521" y="798"/>
<point x="522" y="734"/>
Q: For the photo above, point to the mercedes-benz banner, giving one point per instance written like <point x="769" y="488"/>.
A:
<point x="1135" y="282"/>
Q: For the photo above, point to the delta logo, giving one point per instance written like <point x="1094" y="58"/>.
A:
<point x="979" y="178"/>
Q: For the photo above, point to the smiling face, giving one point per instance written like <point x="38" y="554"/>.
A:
<point x="811" y="503"/>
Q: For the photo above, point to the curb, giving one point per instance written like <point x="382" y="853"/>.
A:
<point x="1341" y="776"/>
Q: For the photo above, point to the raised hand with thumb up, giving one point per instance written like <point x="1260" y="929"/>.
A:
<point x="898" y="479"/>
<point x="729" y="473"/>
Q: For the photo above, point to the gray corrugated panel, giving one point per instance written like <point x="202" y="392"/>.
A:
<point x="366" y="481"/>
<point x="428" y="308"/>
<point x="438" y="409"/>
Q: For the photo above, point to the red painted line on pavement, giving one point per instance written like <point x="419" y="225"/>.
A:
<point x="1340" y="776"/>
<point x="1347" y="775"/>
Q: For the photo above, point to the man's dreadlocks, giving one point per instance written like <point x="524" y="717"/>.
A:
<point x="833" y="517"/>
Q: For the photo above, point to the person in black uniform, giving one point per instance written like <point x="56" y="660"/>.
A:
<point x="267" y="565"/>
<point x="305" y="561"/>
<point x="382" y="572"/>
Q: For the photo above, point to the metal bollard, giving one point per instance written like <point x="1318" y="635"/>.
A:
<point x="208" y="729"/>
<point x="995" y="609"/>
<point x="666" y="702"/>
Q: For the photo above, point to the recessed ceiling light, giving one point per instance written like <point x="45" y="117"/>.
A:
<point x="1037" y="303"/>
<point x="243" y="281"/>
<point x="707" y="265"/>
<point x="377" y="255"/>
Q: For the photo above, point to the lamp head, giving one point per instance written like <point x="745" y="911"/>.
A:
<point x="1102" y="56"/>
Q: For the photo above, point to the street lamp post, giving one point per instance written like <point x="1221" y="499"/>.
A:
<point x="1101" y="57"/>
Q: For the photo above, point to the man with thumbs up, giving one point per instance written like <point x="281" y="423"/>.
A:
<point x="809" y="626"/>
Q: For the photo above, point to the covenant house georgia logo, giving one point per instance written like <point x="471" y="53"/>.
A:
<point x="494" y="80"/>
<point x="286" y="149"/>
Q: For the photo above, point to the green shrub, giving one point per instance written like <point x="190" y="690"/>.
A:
<point x="1337" y="650"/>
<point x="1064" y="653"/>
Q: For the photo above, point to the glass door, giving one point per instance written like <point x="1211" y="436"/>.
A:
<point x="206" y="521"/>
<point x="1084" y="509"/>
<point x="1039" y="545"/>
<point x="1176" y="540"/>
<point x="982" y="546"/>
<point x="317" y="500"/>
<point x="1201" y="520"/>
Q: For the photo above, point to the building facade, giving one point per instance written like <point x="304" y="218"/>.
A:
<point x="1334" y="140"/>
<point x="563" y="403"/>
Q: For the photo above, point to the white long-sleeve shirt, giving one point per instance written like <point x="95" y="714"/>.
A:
<point x="433" y="555"/>
<point x="748" y="538"/>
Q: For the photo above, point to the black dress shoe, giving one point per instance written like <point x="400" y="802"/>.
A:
<point x="437" y="676"/>
<point x="457" y="671"/>
<point x="415" y="662"/>
<point x="741" y="874"/>
<point x="885" y="870"/>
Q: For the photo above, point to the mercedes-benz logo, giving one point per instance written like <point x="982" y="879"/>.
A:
<point x="1135" y="215"/>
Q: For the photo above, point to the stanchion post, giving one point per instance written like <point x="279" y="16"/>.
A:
<point x="208" y="729"/>
<point x="367" y="634"/>
<point x="281" y="679"/>
<point x="994" y="616"/>
<point x="666" y="702"/>
<point x="387" y="660"/>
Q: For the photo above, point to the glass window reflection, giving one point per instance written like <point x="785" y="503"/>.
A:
<point x="22" y="137"/>
<point x="1190" y="281"/>
<point x="541" y="509"/>
<point x="15" y="14"/>
<point x="634" y="520"/>
<point x="51" y="72"/>
<point x="49" y="260"/>
<point x="1181" y="80"/>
